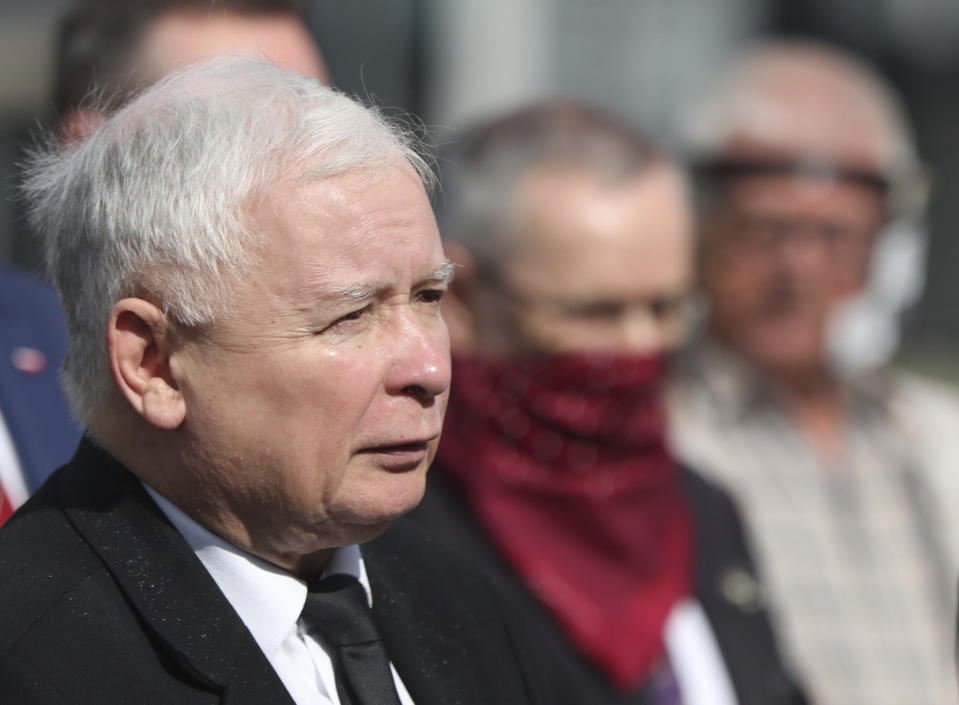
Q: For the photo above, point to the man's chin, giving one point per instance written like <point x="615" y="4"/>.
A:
<point x="791" y="370"/>
<point x="361" y="533"/>
<point x="786" y="356"/>
<point x="370" y="524"/>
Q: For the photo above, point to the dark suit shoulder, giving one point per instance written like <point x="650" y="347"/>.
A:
<point x="721" y="539"/>
<point x="409" y="550"/>
<point x="729" y="588"/>
<point x="458" y="618"/>
<point x="442" y="586"/>
<point x="707" y="499"/>
<point x="42" y="559"/>
<point x="101" y="601"/>
<point x="22" y="684"/>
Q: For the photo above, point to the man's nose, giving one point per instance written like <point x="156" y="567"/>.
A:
<point x="640" y="332"/>
<point x="420" y="365"/>
<point x="805" y="246"/>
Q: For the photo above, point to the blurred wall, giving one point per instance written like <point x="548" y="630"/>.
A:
<point x="26" y="39"/>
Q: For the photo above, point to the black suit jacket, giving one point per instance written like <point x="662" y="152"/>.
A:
<point x="103" y="602"/>
<point x="725" y="586"/>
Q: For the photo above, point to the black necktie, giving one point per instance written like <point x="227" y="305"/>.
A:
<point x="337" y="606"/>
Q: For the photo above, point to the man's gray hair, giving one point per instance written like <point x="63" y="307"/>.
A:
<point x="481" y="172"/>
<point x="153" y="204"/>
<point x="744" y="100"/>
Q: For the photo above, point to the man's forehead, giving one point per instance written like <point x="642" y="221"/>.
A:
<point x="356" y="204"/>
<point x="348" y="185"/>
<point x="359" y="228"/>
<point x="590" y="216"/>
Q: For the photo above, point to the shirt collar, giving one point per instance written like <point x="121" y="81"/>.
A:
<point x="267" y="599"/>
<point x="737" y="386"/>
<point x="729" y="379"/>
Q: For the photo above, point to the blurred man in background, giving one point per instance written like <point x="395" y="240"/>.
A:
<point x="37" y="431"/>
<point x="574" y="238"/>
<point x="108" y="50"/>
<point x="845" y="469"/>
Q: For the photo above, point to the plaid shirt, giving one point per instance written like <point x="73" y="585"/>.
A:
<point x="859" y="556"/>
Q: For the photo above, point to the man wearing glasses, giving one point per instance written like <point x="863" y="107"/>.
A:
<point x="808" y="183"/>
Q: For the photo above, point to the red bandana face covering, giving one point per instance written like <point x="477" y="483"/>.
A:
<point x="563" y="460"/>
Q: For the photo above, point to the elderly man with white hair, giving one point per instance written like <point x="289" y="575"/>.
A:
<point x="252" y="276"/>
<point x="810" y="196"/>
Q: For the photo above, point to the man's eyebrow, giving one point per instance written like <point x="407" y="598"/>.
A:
<point x="353" y="292"/>
<point x="442" y="274"/>
<point x="360" y="292"/>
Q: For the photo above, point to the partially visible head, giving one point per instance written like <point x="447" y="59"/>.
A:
<point x="251" y="272"/>
<point x="576" y="233"/>
<point x="108" y="50"/>
<point x="803" y="154"/>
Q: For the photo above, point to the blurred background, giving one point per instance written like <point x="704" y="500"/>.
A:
<point x="452" y="62"/>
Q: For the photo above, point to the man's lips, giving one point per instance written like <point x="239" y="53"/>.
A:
<point x="396" y="448"/>
<point x="398" y="457"/>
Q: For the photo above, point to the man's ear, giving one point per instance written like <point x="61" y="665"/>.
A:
<point x="459" y="302"/>
<point x="138" y="348"/>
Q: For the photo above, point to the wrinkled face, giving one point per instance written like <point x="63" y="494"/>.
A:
<point x="779" y="253"/>
<point x="597" y="267"/>
<point x="315" y="409"/>
<point x="181" y="37"/>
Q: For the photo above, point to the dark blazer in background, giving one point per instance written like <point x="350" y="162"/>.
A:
<point x="725" y="585"/>
<point x="32" y="331"/>
<point x="102" y="602"/>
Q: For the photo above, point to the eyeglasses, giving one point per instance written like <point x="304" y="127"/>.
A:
<point x="766" y="234"/>
<point x="607" y="315"/>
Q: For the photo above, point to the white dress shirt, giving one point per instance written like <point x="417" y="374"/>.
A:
<point x="695" y="657"/>
<point x="11" y="474"/>
<point x="269" y="601"/>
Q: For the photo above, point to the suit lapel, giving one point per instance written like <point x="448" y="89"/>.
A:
<point x="165" y="582"/>
<point x="434" y="664"/>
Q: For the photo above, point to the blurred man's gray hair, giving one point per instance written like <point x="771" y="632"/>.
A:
<point x="153" y="204"/>
<point x="482" y="171"/>
<point x="750" y="99"/>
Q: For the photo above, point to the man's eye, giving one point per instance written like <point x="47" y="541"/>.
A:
<point x="666" y="307"/>
<point x="351" y="316"/>
<point x="431" y="296"/>
<point x="595" y="310"/>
